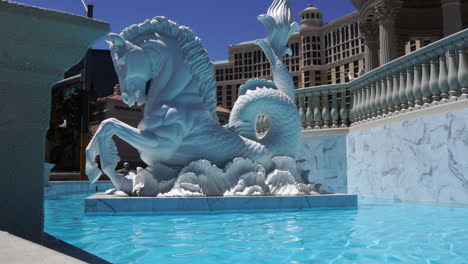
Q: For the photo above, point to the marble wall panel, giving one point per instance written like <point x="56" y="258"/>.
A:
<point x="422" y="160"/>
<point x="324" y="158"/>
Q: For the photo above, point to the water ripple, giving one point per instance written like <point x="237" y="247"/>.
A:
<point x="377" y="232"/>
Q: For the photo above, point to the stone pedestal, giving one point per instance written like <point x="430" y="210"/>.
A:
<point x="37" y="46"/>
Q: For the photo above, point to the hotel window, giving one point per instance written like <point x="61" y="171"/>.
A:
<point x="306" y="79"/>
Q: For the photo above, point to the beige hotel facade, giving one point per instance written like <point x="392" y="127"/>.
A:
<point x="322" y="54"/>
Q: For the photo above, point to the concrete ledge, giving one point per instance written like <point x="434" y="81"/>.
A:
<point x="14" y="249"/>
<point x="63" y="247"/>
<point x="69" y="187"/>
<point x="103" y="203"/>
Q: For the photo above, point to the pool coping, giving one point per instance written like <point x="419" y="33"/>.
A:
<point x="102" y="203"/>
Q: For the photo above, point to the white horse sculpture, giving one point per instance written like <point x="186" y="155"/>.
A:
<point x="165" y="67"/>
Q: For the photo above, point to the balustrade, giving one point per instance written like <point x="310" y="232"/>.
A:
<point x="431" y="76"/>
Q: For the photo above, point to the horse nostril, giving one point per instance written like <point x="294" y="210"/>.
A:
<point x="148" y="85"/>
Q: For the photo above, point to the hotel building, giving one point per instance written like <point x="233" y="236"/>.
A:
<point x="321" y="54"/>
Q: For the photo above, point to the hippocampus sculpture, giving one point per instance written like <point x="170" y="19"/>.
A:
<point x="165" y="67"/>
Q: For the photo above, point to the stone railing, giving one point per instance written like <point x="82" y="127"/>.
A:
<point x="424" y="79"/>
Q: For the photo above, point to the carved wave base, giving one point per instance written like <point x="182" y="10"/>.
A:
<point x="422" y="160"/>
<point x="240" y="177"/>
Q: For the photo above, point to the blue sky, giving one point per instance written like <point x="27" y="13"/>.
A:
<point x="218" y="23"/>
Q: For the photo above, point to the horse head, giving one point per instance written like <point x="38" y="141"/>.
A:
<point x="168" y="55"/>
<point x="136" y="64"/>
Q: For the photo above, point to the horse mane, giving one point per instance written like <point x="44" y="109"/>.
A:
<point x="193" y="53"/>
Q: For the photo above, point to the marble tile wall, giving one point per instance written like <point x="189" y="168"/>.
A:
<point x="324" y="158"/>
<point x="422" y="160"/>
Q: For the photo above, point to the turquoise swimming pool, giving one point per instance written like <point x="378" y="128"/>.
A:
<point x="376" y="232"/>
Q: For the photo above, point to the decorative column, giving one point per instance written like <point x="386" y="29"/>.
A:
<point x="386" y="13"/>
<point x="452" y="18"/>
<point x="37" y="47"/>
<point x="369" y="33"/>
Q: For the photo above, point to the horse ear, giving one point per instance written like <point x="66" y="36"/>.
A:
<point x="115" y="40"/>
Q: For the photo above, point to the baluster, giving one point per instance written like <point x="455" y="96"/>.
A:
<point x="409" y="86"/>
<point x="443" y="77"/>
<point x="452" y="77"/>
<point x="302" y="114"/>
<point x="343" y="109"/>
<point x="389" y="94"/>
<point x="372" y="106"/>
<point x="360" y="106"/>
<point x="395" y="90"/>
<point x="317" y="111"/>
<point x="433" y="80"/>
<point x="383" y="95"/>
<point x="365" y="108"/>
<point x="417" y="85"/>
<point x="334" y="110"/>
<point x="402" y="91"/>
<point x="309" y="112"/>
<point x="425" y="90"/>
<point x="462" y="69"/>
<point x="352" y="106"/>
<point x="377" y="105"/>
<point x="325" y="109"/>
<point x="356" y="106"/>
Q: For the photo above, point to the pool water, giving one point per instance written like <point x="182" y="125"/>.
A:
<point x="376" y="232"/>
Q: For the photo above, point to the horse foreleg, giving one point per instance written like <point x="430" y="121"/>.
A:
<point x="165" y="143"/>
<point x="103" y="145"/>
